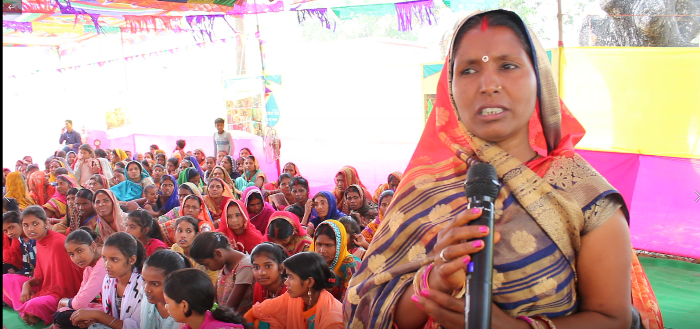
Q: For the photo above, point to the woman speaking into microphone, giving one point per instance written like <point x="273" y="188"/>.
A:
<point x="562" y="257"/>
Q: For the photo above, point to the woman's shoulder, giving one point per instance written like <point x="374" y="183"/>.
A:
<point x="157" y="243"/>
<point x="351" y="261"/>
<point x="574" y="173"/>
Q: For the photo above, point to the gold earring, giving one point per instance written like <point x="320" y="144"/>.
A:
<point x="310" y="297"/>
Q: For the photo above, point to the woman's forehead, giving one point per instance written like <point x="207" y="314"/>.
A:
<point x="495" y="42"/>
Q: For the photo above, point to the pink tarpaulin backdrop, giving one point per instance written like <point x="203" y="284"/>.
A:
<point x="659" y="191"/>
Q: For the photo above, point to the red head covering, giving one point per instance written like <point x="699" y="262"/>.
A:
<point x="250" y="238"/>
<point x="289" y="217"/>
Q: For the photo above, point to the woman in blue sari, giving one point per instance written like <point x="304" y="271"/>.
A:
<point x="132" y="187"/>
<point x="324" y="207"/>
<point x="168" y="198"/>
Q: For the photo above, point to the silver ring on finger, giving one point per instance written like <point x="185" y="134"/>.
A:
<point x="442" y="256"/>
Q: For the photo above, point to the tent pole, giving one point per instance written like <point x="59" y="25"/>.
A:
<point x="560" y="49"/>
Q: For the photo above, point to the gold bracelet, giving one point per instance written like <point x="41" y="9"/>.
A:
<point x="461" y="293"/>
<point x="546" y="320"/>
<point x="110" y="323"/>
<point x="416" y="281"/>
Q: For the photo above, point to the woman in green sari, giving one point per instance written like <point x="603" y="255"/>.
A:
<point x="253" y="176"/>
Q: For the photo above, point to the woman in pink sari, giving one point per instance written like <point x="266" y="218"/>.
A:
<point x="111" y="218"/>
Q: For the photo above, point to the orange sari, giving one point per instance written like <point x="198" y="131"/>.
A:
<point x="204" y="221"/>
<point x="38" y="184"/>
<point x="287" y="312"/>
<point x="396" y="174"/>
<point x="350" y="177"/>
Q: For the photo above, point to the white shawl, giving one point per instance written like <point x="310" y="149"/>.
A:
<point x="130" y="311"/>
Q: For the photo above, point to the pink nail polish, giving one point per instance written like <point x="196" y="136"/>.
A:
<point x="478" y="244"/>
<point x="414" y="298"/>
<point x="483" y="229"/>
<point x="425" y="293"/>
<point x="466" y="260"/>
<point x="476" y="210"/>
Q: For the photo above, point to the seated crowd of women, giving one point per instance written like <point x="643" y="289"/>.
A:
<point x="104" y="242"/>
<point x="269" y="255"/>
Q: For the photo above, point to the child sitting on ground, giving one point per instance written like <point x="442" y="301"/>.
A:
<point x="150" y="192"/>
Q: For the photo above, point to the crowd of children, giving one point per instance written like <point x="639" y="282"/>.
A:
<point x="104" y="239"/>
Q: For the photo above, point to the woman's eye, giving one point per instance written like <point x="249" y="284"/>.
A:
<point x="468" y="71"/>
<point x="509" y="66"/>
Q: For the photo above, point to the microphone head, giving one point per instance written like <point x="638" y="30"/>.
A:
<point x="482" y="180"/>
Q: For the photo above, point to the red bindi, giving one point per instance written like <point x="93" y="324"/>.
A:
<point x="484" y="23"/>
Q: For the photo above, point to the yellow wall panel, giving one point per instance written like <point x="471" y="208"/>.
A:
<point x="635" y="100"/>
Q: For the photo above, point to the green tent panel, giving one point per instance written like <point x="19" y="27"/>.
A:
<point x="345" y="13"/>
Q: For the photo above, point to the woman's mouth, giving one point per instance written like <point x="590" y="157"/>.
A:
<point x="491" y="112"/>
<point x="81" y="264"/>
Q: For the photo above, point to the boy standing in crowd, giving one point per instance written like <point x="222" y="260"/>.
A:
<point x="222" y="139"/>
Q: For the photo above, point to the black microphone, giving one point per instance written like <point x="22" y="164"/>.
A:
<point x="481" y="188"/>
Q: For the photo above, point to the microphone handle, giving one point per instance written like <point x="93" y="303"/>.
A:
<point x="478" y="312"/>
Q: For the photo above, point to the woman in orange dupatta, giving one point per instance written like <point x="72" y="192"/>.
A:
<point x="219" y="194"/>
<point x="38" y="187"/>
<point x="391" y="184"/>
<point x="306" y="304"/>
<point x="562" y="251"/>
<point x="343" y="179"/>
<point x="195" y="208"/>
